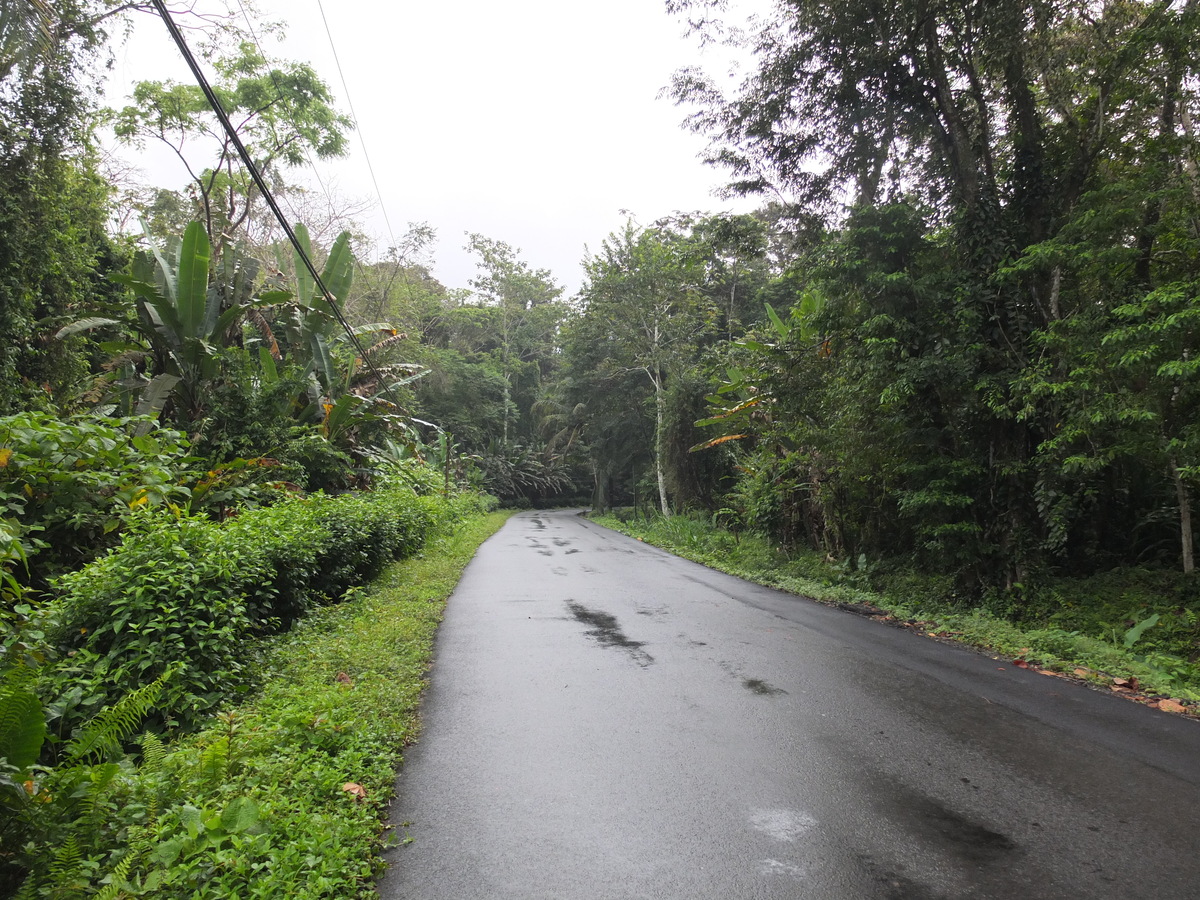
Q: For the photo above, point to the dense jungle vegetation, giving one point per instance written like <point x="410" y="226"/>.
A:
<point x="955" y="348"/>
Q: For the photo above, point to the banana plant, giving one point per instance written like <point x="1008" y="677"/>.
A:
<point x="186" y="313"/>
<point x="739" y="399"/>
<point x="313" y="325"/>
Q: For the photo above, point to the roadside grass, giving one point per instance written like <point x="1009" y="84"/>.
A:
<point x="1136" y="632"/>
<point x="284" y="795"/>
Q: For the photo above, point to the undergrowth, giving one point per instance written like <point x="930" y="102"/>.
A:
<point x="283" y="794"/>
<point x="1138" y="626"/>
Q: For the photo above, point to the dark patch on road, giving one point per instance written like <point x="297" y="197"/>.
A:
<point x="607" y="631"/>
<point x="896" y="885"/>
<point x="569" y="552"/>
<point x="953" y="832"/>
<point x="561" y="542"/>
<point x="546" y="552"/>
<point x="758" y="686"/>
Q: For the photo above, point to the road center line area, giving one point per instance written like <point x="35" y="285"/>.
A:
<point x="606" y="720"/>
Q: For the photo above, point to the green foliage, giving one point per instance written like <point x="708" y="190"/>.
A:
<point x="53" y="203"/>
<point x="68" y="485"/>
<point x="174" y="593"/>
<point x="1094" y="623"/>
<point x="187" y="595"/>
<point x="255" y="804"/>
<point x="284" y="112"/>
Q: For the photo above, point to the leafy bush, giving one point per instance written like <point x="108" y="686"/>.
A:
<point x="259" y="803"/>
<point x="174" y="593"/>
<point x="67" y="485"/>
<point x="188" y="593"/>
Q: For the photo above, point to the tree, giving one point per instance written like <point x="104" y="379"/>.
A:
<point x="527" y="316"/>
<point x="643" y="307"/>
<point x="984" y="170"/>
<point x="283" y="113"/>
<point x="53" y="205"/>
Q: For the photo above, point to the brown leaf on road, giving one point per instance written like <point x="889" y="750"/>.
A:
<point x="1122" y="688"/>
<point x="1083" y="673"/>
<point x="1171" y="706"/>
<point x="1131" y="683"/>
<point x="1020" y="664"/>
<point x="357" y="791"/>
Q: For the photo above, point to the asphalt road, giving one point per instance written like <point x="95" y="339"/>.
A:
<point x="606" y="720"/>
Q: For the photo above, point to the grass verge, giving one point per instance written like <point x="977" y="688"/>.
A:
<point x="1060" y="641"/>
<point x="284" y="795"/>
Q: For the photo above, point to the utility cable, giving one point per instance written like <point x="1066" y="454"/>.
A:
<point x="358" y="125"/>
<point x="219" y="110"/>
<point x="283" y="100"/>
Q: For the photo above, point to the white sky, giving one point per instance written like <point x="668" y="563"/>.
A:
<point x="532" y="121"/>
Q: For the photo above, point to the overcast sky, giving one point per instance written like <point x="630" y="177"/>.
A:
<point x="534" y="122"/>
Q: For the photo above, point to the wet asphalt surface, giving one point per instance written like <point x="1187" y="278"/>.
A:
<point x="606" y="720"/>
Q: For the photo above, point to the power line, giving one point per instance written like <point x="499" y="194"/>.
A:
<point x="358" y="125"/>
<point x="283" y="99"/>
<point x="236" y="140"/>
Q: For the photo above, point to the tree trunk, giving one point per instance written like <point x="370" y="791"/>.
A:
<point x="1185" y="519"/>
<point x="660" y="406"/>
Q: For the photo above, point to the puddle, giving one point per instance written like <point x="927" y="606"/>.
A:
<point x="559" y="570"/>
<point x="784" y="825"/>
<point x="561" y="542"/>
<point x="607" y="631"/>
<point x="777" y="868"/>
<point x="758" y="686"/>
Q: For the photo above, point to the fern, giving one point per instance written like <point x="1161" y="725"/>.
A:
<point x="67" y="861"/>
<point x="30" y="888"/>
<point x="154" y="761"/>
<point x="118" y="880"/>
<point x="215" y="761"/>
<point x="98" y="780"/>
<point x="103" y="734"/>
<point x="22" y="727"/>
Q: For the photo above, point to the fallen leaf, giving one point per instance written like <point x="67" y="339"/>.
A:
<point x="1122" y="689"/>
<point x="344" y="679"/>
<point x="357" y="791"/>
<point x="1131" y="683"/>
<point x="1171" y="706"/>
<point x="1083" y="673"/>
<point x="1020" y="664"/>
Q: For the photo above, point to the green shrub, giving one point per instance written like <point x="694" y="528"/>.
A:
<point x="69" y="484"/>
<point x="173" y="594"/>
<point x="185" y="592"/>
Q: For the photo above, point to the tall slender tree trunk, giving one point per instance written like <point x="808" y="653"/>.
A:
<point x="1185" y="518"/>
<point x="660" y="406"/>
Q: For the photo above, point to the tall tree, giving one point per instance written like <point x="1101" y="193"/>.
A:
<point x="643" y="306"/>
<point x="53" y="247"/>
<point x="284" y="113"/>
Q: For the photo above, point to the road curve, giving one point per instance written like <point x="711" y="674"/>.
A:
<point x="606" y="720"/>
